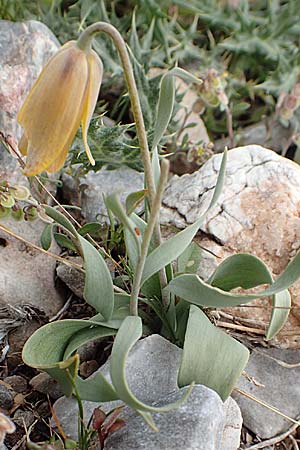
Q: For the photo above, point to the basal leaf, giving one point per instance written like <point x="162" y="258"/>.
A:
<point x="247" y="271"/>
<point x="44" y="350"/>
<point x="98" y="288"/>
<point x="280" y="313"/>
<point x="189" y="260"/>
<point x="210" y="356"/>
<point x="50" y="349"/>
<point x="166" y="100"/>
<point x="60" y="219"/>
<point x="128" y="334"/>
<point x="96" y="388"/>
<point x="193" y="289"/>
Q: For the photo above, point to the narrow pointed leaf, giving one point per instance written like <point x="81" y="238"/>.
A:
<point x="210" y="356"/>
<point x="166" y="100"/>
<point x="280" y="313"/>
<point x="171" y="249"/>
<point x="165" y="108"/>
<point x="98" y="288"/>
<point x="60" y="219"/>
<point x="128" y="334"/>
<point x="113" y="203"/>
<point x="133" y="200"/>
<point x="155" y="166"/>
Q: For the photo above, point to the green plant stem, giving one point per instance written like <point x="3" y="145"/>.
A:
<point x="84" y="42"/>
<point x="147" y="237"/>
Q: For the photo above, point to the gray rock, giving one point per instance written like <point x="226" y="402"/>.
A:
<point x="93" y="186"/>
<point x="258" y="212"/>
<point x="34" y="270"/>
<point x="46" y="385"/>
<point x="280" y="389"/>
<point x="17" y="383"/>
<point x="72" y="277"/>
<point x="75" y="279"/>
<point x="22" y="418"/>
<point x="6" y="398"/>
<point x="152" y="370"/>
<point x="258" y="134"/>
<point x="232" y="425"/>
<point x="197" y="424"/>
<point x="24" y="50"/>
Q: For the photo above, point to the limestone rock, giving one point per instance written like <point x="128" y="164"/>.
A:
<point x="277" y="138"/>
<point x="151" y="372"/>
<point x="197" y="424"/>
<point x="34" y="271"/>
<point x="35" y="275"/>
<point x="276" y="372"/>
<point x="258" y="212"/>
<point x="24" y="50"/>
<point x="89" y="190"/>
<point x="72" y="277"/>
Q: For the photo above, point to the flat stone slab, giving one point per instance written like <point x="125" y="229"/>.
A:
<point x="272" y="368"/>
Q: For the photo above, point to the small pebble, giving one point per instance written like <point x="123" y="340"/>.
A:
<point x="88" y="367"/>
<point x="23" y="417"/>
<point x="44" y="384"/>
<point x="17" y="383"/>
<point x="6" y="398"/>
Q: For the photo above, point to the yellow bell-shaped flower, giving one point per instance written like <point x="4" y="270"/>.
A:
<point x="64" y="95"/>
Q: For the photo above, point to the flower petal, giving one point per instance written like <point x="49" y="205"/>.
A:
<point x="94" y="82"/>
<point x="53" y="109"/>
<point x="23" y="144"/>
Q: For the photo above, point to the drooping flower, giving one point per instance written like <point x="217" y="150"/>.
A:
<point x="64" y="95"/>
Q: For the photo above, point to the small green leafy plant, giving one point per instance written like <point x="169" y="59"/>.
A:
<point x="178" y="296"/>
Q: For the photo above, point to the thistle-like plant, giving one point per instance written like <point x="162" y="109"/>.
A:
<point x="210" y="357"/>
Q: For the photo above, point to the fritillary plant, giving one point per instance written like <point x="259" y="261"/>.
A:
<point x="63" y="97"/>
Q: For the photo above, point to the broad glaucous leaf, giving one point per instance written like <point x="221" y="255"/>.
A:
<point x="210" y="356"/>
<point x="98" y="287"/>
<point x="191" y="288"/>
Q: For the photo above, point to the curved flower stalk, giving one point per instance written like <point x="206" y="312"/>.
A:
<point x="64" y="95"/>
